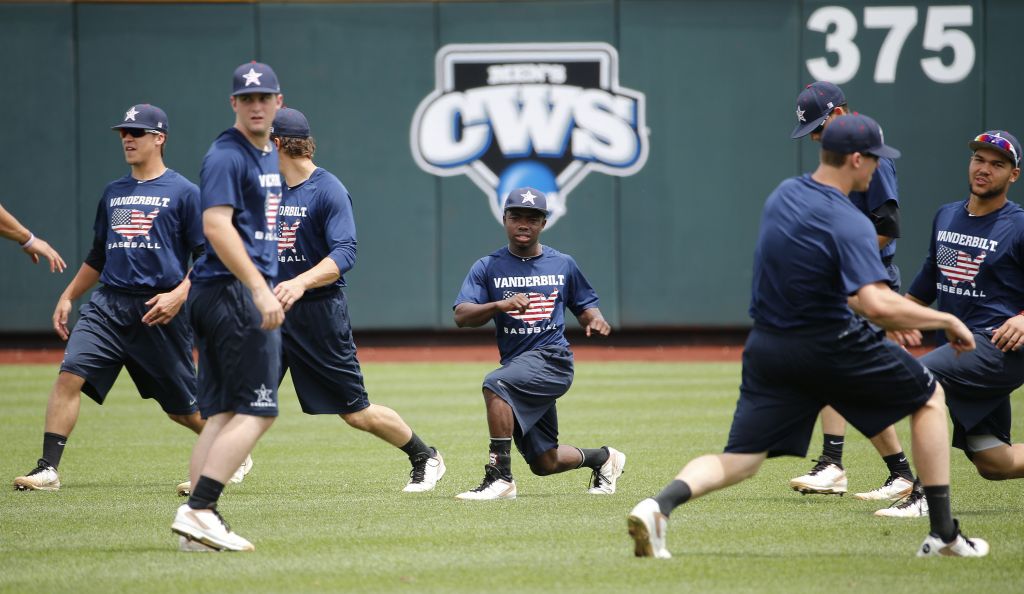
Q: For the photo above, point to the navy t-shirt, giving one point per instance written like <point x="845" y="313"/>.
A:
<point x="882" y="189"/>
<point x="975" y="265"/>
<point x="315" y="222"/>
<point x="148" y="230"/>
<point x="237" y="174"/>
<point x="551" y="280"/>
<point x="814" y="249"/>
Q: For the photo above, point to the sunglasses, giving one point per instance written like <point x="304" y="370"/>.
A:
<point x="137" y="132"/>
<point x="1000" y="142"/>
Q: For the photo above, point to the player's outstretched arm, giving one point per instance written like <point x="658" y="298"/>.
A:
<point x="224" y="238"/>
<point x="888" y="309"/>
<point x="474" y="315"/>
<point x="85" y="279"/>
<point x="592" y="321"/>
<point x="34" y="246"/>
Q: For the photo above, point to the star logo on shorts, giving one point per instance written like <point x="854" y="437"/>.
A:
<point x="800" y="114"/>
<point x="252" y="77"/>
<point x="528" y="197"/>
<point x="263" y="399"/>
<point x="130" y="114"/>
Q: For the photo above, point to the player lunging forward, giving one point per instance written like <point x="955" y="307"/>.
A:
<point x="525" y="288"/>
<point x="808" y="349"/>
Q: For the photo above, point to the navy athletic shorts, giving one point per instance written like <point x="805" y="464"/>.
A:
<point x="978" y="385"/>
<point x="317" y="346"/>
<point x="238" y="362"/>
<point x="531" y="384"/>
<point x="789" y="376"/>
<point x="110" y="335"/>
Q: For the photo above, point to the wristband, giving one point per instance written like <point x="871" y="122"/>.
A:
<point x="28" y="242"/>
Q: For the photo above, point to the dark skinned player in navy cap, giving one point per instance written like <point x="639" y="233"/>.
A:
<point x="524" y="288"/>
<point x="816" y="262"/>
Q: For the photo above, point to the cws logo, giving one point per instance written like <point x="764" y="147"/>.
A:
<point x="542" y="115"/>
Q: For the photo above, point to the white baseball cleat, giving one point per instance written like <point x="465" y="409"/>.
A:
<point x="243" y="470"/>
<point x="42" y="478"/>
<point x="893" y="489"/>
<point x="206" y="526"/>
<point x="647" y="527"/>
<point x="912" y="506"/>
<point x="492" y="487"/>
<point x="603" y="479"/>
<point x="961" y="546"/>
<point x="184" y="489"/>
<point x="826" y="478"/>
<point x="425" y="473"/>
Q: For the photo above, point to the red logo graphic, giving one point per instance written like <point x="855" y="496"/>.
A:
<point x="957" y="266"/>
<point x="132" y="223"/>
<point x="540" y="307"/>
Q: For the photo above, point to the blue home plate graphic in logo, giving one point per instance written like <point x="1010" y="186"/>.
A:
<point x="542" y="115"/>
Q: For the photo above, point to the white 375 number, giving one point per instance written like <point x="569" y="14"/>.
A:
<point x="940" y="32"/>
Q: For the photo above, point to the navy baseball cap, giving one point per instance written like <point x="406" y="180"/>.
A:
<point x="255" y="77"/>
<point x="813" y="106"/>
<point x="1000" y="141"/>
<point x="530" y="198"/>
<point x="290" y="123"/>
<point x="145" y="117"/>
<point x="856" y="133"/>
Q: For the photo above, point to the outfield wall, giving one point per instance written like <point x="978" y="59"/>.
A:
<point x="668" y="246"/>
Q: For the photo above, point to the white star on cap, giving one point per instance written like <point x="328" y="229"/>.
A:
<point x="800" y="114"/>
<point x="130" y="114"/>
<point x="528" y="197"/>
<point x="252" y="77"/>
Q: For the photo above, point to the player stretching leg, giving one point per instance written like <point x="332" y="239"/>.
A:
<point x="316" y="246"/>
<point x="816" y="257"/>
<point x="147" y="227"/>
<point x="525" y="288"/>
<point x="235" y="315"/>
<point x="974" y="271"/>
<point x="817" y="106"/>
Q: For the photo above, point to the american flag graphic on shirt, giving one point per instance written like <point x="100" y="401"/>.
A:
<point x="957" y="266"/>
<point x="273" y="201"/>
<point x="286" y="236"/>
<point x="132" y="223"/>
<point x="540" y="307"/>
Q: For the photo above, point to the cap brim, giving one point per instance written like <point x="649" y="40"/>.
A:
<point x="802" y="130"/>
<point x="518" y="207"/>
<point x="883" y="151"/>
<point x="975" y="145"/>
<point x="136" y="126"/>
<point x="253" y="90"/>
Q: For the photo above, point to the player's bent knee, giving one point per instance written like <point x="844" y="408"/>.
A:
<point x="68" y="384"/>
<point x="541" y="468"/>
<point x="990" y="469"/>
<point x="938" y="398"/>
<point x="361" y="420"/>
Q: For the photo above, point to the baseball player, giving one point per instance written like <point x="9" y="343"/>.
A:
<point x="975" y="270"/>
<point x="35" y="247"/>
<point x="233" y="310"/>
<point x="147" y="227"/>
<point x="817" y="105"/>
<point x="816" y="257"/>
<point x="316" y="246"/>
<point x="525" y="287"/>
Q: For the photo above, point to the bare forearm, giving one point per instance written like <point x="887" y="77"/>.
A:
<point x="589" y="315"/>
<point x="474" y="315"/>
<point x="11" y="229"/>
<point x="85" y="279"/>
<point x="321" y="275"/>
<point x="893" y="312"/>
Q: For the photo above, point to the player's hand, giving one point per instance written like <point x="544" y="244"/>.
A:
<point x="905" y="338"/>
<point x="960" y="338"/>
<point x="163" y="308"/>
<point x="288" y="292"/>
<point x="600" y="326"/>
<point x="38" y="248"/>
<point x="60" y="318"/>
<point x="1010" y="336"/>
<point x="270" y="309"/>
<point x="518" y="302"/>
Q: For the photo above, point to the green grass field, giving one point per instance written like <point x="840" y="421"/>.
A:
<point x="324" y="508"/>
